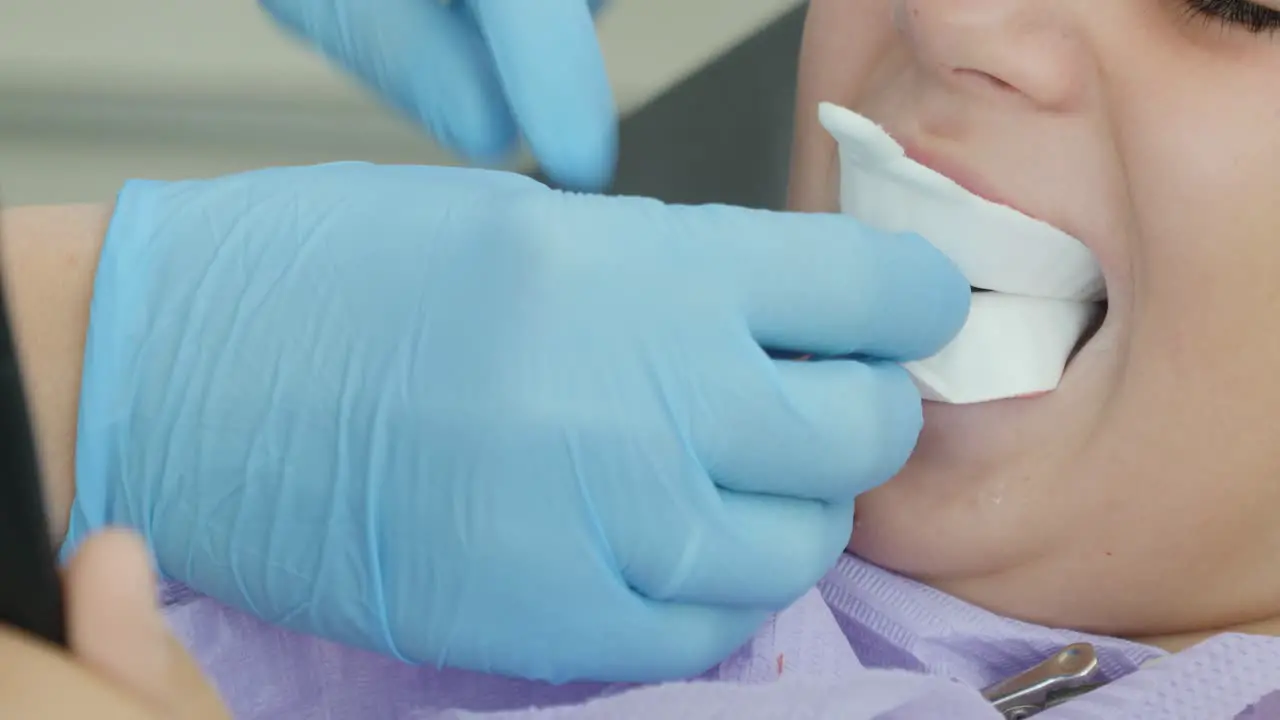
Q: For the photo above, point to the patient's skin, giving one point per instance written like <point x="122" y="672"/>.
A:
<point x="1140" y="499"/>
<point x="49" y="255"/>
<point x="123" y="664"/>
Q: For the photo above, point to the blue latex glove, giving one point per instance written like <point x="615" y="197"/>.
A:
<point x="459" y="418"/>
<point x="479" y="73"/>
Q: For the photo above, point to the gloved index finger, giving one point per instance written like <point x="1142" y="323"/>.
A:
<point x="552" y="70"/>
<point x="827" y="284"/>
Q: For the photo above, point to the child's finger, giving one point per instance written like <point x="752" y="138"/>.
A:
<point x="113" y="622"/>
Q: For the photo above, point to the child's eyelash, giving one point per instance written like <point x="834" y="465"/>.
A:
<point x="1251" y="16"/>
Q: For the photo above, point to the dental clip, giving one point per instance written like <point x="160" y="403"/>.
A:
<point x="1063" y="676"/>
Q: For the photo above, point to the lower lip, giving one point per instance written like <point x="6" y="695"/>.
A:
<point x="1003" y="402"/>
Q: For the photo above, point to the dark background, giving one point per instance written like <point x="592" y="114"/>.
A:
<point x="723" y="135"/>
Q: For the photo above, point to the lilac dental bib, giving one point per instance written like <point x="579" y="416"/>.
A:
<point x="1039" y="287"/>
<point x="866" y="644"/>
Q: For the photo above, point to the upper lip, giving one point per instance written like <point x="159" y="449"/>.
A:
<point x="971" y="180"/>
<point x="977" y="184"/>
<point x="1011" y="250"/>
<point x="962" y="175"/>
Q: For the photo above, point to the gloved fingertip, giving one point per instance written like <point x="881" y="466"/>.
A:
<point x="944" y="288"/>
<point x="583" y="161"/>
<point x="486" y="150"/>
<point x="480" y="130"/>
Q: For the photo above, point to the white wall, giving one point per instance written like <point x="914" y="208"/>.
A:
<point x="95" y="91"/>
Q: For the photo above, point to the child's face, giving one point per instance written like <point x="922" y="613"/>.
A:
<point x="1143" y="497"/>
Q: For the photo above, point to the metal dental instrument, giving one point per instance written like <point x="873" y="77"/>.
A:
<point x="1063" y="676"/>
<point x="30" y="589"/>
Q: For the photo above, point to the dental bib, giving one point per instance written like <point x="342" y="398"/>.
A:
<point x="1038" y="286"/>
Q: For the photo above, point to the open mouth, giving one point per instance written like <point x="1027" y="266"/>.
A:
<point x="1039" y="293"/>
<point x="1095" y="324"/>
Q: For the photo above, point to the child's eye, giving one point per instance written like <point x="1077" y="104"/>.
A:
<point x="1249" y="15"/>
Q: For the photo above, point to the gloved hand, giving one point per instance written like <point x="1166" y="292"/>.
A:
<point x="478" y="73"/>
<point x="459" y="418"/>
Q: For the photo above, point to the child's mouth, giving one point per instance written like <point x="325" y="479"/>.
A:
<point x="1039" y="292"/>
<point x="1095" y="324"/>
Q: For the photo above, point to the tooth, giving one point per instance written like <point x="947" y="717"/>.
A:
<point x="1044" y="282"/>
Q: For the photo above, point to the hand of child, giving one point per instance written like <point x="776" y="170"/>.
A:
<point x="124" y="664"/>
